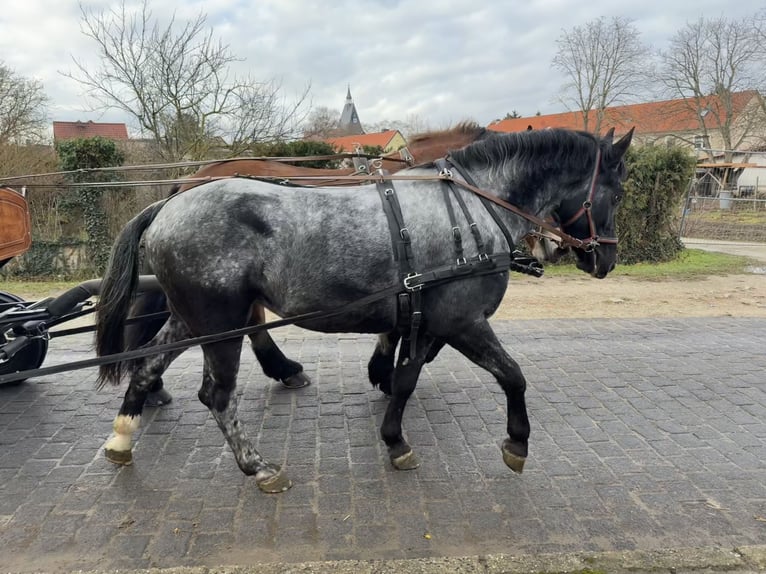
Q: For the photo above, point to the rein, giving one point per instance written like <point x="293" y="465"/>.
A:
<point x="405" y="158"/>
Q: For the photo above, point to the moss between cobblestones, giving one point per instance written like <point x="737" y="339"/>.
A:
<point x="743" y="560"/>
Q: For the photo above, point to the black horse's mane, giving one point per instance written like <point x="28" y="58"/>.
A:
<point x="533" y="150"/>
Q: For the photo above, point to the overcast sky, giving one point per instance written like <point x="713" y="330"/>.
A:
<point x="440" y="60"/>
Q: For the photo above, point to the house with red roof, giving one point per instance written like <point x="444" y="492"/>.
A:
<point x="685" y="122"/>
<point x="389" y="140"/>
<point x="691" y="123"/>
<point x="72" y="130"/>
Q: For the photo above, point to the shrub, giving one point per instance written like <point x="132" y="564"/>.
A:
<point x="647" y="220"/>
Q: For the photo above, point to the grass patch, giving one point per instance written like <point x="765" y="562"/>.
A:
<point x="742" y="217"/>
<point x="691" y="263"/>
<point x="33" y="290"/>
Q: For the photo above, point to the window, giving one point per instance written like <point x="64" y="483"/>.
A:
<point x="701" y="142"/>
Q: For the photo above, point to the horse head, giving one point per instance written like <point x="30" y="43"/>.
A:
<point x="590" y="215"/>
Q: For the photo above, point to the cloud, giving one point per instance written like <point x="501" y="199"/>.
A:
<point x="441" y="61"/>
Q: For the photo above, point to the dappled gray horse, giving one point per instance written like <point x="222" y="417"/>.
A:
<point x="249" y="242"/>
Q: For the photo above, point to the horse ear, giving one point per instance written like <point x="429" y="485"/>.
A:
<point x="609" y="136"/>
<point x="619" y="149"/>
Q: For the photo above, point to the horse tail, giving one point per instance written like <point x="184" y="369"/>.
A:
<point x="117" y="291"/>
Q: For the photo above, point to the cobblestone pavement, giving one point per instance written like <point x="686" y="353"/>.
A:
<point x="646" y="434"/>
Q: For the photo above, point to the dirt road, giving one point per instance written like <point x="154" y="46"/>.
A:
<point x="574" y="296"/>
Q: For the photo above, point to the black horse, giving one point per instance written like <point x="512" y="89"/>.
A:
<point x="221" y="248"/>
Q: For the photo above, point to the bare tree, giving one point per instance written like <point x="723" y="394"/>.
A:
<point x="321" y="123"/>
<point x="411" y="125"/>
<point x="174" y="81"/>
<point x="708" y="62"/>
<point x="22" y="108"/>
<point x="605" y="63"/>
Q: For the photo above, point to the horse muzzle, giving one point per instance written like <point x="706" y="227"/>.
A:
<point x="598" y="262"/>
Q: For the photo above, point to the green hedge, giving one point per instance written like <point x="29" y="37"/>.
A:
<point x="647" y="219"/>
<point x="49" y="259"/>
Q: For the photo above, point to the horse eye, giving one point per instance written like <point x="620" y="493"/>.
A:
<point x="617" y="198"/>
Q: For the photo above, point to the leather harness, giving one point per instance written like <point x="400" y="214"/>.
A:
<point x="409" y="302"/>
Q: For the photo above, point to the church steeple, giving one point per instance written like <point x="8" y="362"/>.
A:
<point x="349" y="123"/>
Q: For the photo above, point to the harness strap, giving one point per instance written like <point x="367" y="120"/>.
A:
<point x="400" y="235"/>
<point x="361" y="164"/>
<point x="449" y="160"/>
<point x="480" y="247"/>
<point x="409" y="304"/>
<point x="475" y="266"/>
<point x="456" y="234"/>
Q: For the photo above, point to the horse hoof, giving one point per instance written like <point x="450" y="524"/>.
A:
<point x="297" y="381"/>
<point x="158" y="399"/>
<point x="121" y="457"/>
<point x="408" y="461"/>
<point x="513" y="461"/>
<point x="274" y="483"/>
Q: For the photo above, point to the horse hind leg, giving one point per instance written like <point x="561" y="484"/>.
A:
<point x="145" y="374"/>
<point x="380" y="368"/>
<point x="139" y="334"/>
<point x="273" y="362"/>
<point x="481" y="346"/>
<point x="217" y="393"/>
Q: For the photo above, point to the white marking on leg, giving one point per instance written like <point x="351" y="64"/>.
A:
<point x="124" y="426"/>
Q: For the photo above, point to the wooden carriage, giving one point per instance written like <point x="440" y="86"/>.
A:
<point x="15" y="225"/>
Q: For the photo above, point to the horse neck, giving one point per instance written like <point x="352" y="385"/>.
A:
<point x="535" y="193"/>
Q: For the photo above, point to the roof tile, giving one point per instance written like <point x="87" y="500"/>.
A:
<point x="348" y="143"/>
<point x="669" y="116"/>
<point x="89" y="129"/>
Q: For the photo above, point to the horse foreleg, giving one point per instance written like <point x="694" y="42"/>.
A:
<point x="380" y="368"/>
<point x="217" y="393"/>
<point x="273" y="362"/>
<point x="145" y="375"/>
<point x="404" y="380"/>
<point x="481" y="346"/>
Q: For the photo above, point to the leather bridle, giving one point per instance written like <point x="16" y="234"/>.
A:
<point x="587" y="207"/>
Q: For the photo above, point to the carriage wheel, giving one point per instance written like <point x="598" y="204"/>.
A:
<point x="30" y="357"/>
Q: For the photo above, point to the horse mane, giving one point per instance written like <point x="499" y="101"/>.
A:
<point x="532" y="150"/>
<point x="465" y="128"/>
